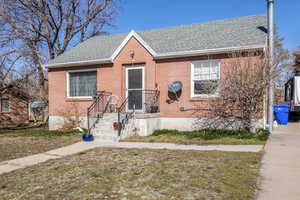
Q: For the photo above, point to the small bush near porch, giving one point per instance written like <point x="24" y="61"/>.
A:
<point x="204" y="137"/>
<point x="135" y="174"/>
<point x="16" y="142"/>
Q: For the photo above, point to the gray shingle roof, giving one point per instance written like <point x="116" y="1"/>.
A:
<point x="237" y="32"/>
<point x="98" y="47"/>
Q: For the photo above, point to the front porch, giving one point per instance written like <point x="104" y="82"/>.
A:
<point x="137" y="114"/>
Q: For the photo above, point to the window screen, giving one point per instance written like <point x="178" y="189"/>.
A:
<point x="4" y="105"/>
<point x="82" y="83"/>
<point x="135" y="78"/>
<point x="206" y="75"/>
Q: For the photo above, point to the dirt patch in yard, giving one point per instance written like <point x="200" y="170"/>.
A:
<point x="14" y="146"/>
<point x="135" y="174"/>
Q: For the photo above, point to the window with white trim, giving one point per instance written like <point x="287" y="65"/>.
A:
<point x="82" y="83"/>
<point x="4" y="105"/>
<point x="205" y="77"/>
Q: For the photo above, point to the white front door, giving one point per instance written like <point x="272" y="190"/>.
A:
<point x="134" y="88"/>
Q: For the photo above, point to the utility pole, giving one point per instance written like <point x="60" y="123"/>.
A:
<point x="271" y="62"/>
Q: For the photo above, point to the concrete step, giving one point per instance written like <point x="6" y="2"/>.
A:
<point x="106" y="138"/>
<point x="109" y="125"/>
<point x="109" y="129"/>
<point x="105" y="133"/>
<point x="104" y="129"/>
<point x="110" y="116"/>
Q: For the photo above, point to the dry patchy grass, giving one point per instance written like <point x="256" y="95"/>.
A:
<point x="16" y="144"/>
<point x="135" y="174"/>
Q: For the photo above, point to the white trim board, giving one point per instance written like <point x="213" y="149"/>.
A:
<point x="68" y="83"/>
<point x="78" y="63"/>
<point x="126" y="83"/>
<point x="125" y="41"/>
<point x="192" y="89"/>
<point x="206" y="51"/>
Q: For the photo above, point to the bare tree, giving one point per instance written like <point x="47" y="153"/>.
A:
<point x="239" y="95"/>
<point x="39" y="30"/>
<point x="282" y="62"/>
<point x="14" y="80"/>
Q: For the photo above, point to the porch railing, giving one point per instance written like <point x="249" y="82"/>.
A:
<point x="97" y="109"/>
<point x="150" y="101"/>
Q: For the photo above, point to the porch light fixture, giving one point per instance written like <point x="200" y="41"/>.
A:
<point x="131" y="54"/>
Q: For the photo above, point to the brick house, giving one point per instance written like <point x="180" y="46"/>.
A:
<point x="13" y="107"/>
<point x="136" y="68"/>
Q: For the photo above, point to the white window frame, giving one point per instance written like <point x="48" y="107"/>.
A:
<point x="126" y="89"/>
<point x="68" y="83"/>
<point x="192" y="80"/>
<point x="1" y="106"/>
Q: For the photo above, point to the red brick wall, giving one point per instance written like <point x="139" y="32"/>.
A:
<point x="112" y="78"/>
<point x="109" y="78"/>
<point x="18" y="111"/>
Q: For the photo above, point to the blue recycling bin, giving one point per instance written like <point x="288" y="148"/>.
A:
<point x="281" y="112"/>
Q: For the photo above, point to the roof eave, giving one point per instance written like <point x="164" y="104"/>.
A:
<point x="181" y="54"/>
<point x="79" y="63"/>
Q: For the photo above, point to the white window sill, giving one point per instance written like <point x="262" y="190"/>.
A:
<point x="80" y="97"/>
<point x="72" y="99"/>
<point x="204" y="96"/>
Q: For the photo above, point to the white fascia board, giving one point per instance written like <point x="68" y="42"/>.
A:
<point x="128" y="37"/>
<point x="79" y="63"/>
<point x="205" y="51"/>
<point x="154" y="54"/>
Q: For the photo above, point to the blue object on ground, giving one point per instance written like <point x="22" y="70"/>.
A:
<point x="281" y="112"/>
<point x="88" y="138"/>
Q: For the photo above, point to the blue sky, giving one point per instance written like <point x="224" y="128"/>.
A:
<point x="149" y="14"/>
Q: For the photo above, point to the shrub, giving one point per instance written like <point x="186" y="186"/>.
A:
<point x="262" y="134"/>
<point x="209" y="134"/>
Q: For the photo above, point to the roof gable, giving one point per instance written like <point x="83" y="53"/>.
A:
<point x="125" y="41"/>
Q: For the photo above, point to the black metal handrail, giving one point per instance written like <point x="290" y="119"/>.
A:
<point x="122" y="121"/>
<point x="151" y="101"/>
<point x="97" y="109"/>
<point x="150" y="105"/>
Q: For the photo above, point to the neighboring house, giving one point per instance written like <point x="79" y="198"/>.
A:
<point x="13" y="107"/>
<point x="292" y="87"/>
<point x="138" y="64"/>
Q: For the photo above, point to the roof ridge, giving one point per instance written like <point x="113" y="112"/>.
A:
<point x="182" y="25"/>
<point x="197" y="23"/>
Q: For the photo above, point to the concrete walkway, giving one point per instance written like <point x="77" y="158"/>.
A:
<point x="11" y="165"/>
<point x="280" y="170"/>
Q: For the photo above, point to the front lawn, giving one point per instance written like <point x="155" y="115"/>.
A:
<point x="135" y="174"/>
<point x="204" y="137"/>
<point x="16" y="143"/>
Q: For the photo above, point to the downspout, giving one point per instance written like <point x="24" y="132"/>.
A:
<point x="271" y="62"/>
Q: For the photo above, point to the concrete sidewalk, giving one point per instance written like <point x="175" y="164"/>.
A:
<point x="280" y="170"/>
<point x="11" y="165"/>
